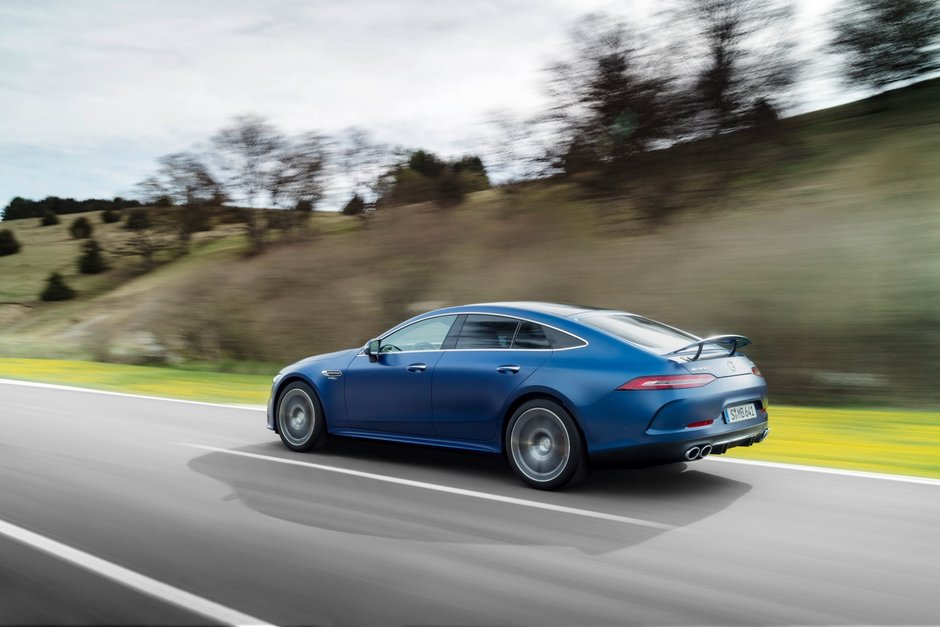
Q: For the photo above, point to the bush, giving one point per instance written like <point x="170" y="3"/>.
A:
<point x="407" y="187"/>
<point x="91" y="261"/>
<point x="426" y="163"/>
<point x="110" y="216"/>
<point x="49" y="218"/>
<point x="200" y="219"/>
<point x="56" y="289"/>
<point x="469" y="163"/>
<point x="763" y="115"/>
<point x="279" y="219"/>
<point x="81" y="228"/>
<point x="20" y="208"/>
<point x="449" y="192"/>
<point x="229" y="215"/>
<point x="137" y="220"/>
<point x="355" y="206"/>
<point x="8" y="243"/>
<point x="472" y="181"/>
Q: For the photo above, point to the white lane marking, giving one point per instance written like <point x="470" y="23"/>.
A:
<point x="829" y="471"/>
<point x="129" y="578"/>
<point x="69" y="388"/>
<point x="753" y="462"/>
<point x="586" y="513"/>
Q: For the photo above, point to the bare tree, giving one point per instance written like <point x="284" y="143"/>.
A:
<point x="186" y="178"/>
<point x="363" y="161"/>
<point x="152" y="192"/>
<point x="887" y="41"/>
<point x="145" y="243"/>
<point x="300" y="179"/>
<point x="738" y="52"/>
<point x="191" y="184"/>
<point x="517" y="148"/>
<point x="615" y="96"/>
<point x="248" y="151"/>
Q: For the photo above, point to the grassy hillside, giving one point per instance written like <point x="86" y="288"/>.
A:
<point x="820" y="242"/>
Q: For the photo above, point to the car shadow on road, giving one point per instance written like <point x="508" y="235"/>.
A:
<point x="666" y="497"/>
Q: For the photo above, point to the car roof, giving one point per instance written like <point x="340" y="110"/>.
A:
<point x="516" y="307"/>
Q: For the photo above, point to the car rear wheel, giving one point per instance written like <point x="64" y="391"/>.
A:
<point x="544" y="446"/>
<point x="299" y="419"/>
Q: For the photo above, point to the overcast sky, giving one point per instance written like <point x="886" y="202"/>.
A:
<point x="92" y="92"/>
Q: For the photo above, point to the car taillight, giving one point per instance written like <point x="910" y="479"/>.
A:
<point x="668" y="382"/>
<point x="756" y="370"/>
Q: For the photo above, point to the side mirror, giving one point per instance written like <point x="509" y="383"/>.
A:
<point x="372" y="350"/>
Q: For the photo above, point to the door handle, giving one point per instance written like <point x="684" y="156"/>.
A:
<point x="507" y="369"/>
<point x="417" y="367"/>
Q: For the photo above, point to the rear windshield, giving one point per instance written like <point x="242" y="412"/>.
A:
<point x="642" y="331"/>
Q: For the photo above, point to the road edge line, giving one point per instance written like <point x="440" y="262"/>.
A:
<point x="827" y="470"/>
<point x="74" y="388"/>
<point x="753" y="462"/>
<point x="129" y="578"/>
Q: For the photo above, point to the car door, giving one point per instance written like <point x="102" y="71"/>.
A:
<point x="473" y="380"/>
<point x="393" y="394"/>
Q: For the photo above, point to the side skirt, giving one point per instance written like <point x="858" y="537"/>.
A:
<point x="482" y="447"/>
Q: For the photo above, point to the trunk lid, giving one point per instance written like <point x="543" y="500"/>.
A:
<point x="717" y="363"/>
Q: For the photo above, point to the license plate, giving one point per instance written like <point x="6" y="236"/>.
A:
<point x="736" y="413"/>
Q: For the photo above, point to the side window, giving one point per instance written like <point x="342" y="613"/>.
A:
<point x="424" y="335"/>
<point x="560" y="339"/>
<point x="481" y="331"/>
<point x="531" y="336"/>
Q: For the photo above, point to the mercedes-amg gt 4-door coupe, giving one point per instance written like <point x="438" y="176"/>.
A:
<point x="557" y="389"/>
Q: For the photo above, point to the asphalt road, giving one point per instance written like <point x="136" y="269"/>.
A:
<point x="117" y="480"/>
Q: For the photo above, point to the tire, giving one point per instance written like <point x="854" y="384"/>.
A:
<point x="299" y="417"/>
<point x="544" y="446"/>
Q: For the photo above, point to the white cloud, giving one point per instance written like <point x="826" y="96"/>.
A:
<point x="101" y="88"/>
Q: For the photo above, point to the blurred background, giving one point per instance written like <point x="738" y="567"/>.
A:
<point x="233" y="186"/>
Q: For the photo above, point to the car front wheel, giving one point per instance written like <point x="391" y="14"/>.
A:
<point x="544" y="446"/>
<point x="299" y="419"/>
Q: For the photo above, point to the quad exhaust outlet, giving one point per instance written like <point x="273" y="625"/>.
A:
<point x="698" y="452"/>
<point x="703" y="451"/>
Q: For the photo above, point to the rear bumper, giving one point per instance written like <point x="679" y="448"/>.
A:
<point x="674" y="450"/>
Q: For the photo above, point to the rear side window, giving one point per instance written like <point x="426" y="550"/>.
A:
<point x="560" y="339"/>
<point x="534" y="336"/>
<point x="642" y="331"/>
<point x="481" y="331"/>
<point x="531" y="336"/>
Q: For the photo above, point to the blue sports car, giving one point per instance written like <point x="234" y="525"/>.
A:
<point x="557" y="388"/>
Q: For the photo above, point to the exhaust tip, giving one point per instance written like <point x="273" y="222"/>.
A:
<point x="763" y="435"/>
<point x="693" y="453"/>
<point x="706" y="451"/>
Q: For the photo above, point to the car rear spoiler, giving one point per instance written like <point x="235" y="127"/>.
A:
<point x="734" y="341"/>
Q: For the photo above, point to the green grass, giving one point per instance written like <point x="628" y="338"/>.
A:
<point x="47" y="249"/>
<point x="218" y="387"/>
<point x="889" y="441"/>
<point x="895" y="441"/>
